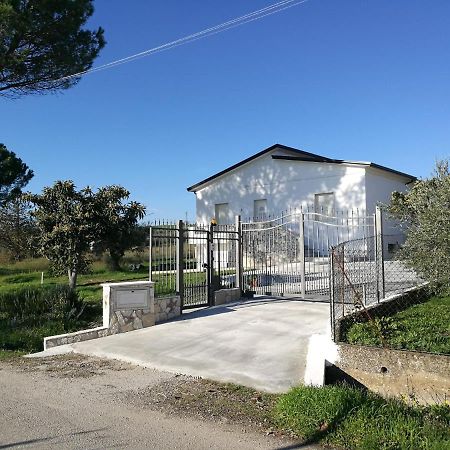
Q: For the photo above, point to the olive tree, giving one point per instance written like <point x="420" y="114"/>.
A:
<point x="424" y="212"/>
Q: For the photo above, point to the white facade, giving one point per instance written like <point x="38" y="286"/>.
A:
<point x="266" y="185"/>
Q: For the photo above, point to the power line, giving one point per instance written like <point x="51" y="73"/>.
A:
<point x="225" y="26"/>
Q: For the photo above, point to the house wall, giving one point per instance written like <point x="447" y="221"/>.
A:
<point x="285" y="184"/>
<point x="379" y="187"/>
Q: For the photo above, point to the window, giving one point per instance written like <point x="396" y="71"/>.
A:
<point x="324" y="205"/>
<point x="260" y="208"/>
<point x="222" y="213"/>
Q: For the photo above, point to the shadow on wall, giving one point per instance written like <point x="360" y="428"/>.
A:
<point x="284" y="184"/>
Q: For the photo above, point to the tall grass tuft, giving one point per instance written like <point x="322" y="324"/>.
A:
<point x="35" y="306"/>
<point x="354" y="419"/>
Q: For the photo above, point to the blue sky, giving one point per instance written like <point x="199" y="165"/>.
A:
<point x="348" y="79"/>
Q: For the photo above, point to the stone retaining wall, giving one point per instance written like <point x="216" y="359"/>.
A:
<point x="167" y="308"/>
<point x="117" y="319"/>
<point x="223" y="296"/>
<point x="130" y="319"/>
<point x="78" y="336"/>
<point x="418" y="375"/>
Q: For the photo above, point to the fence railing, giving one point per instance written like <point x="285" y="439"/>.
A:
<point x="194" y="260"/>
<point x="286" y="255"/>
<point x="366" y="272"/>
<point x="289" y="255"/>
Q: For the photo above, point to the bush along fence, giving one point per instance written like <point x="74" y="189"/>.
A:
<point x="377" y="300"/>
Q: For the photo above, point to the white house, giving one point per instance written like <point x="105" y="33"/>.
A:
<point x="281" y="178"/>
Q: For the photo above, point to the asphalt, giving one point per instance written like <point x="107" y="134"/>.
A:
<point x="261" y="343"/>
<point x="47" y="409"/>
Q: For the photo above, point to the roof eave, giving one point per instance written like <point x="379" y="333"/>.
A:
<point x="194" y="187"/>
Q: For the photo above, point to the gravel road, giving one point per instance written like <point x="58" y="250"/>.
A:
<point x="76" y="402"/>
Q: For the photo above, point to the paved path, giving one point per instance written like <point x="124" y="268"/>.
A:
<point x="42" y="409"/>
<point x="261" y="343"/>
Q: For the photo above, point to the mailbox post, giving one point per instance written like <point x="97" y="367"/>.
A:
<point x="128" y="306"/>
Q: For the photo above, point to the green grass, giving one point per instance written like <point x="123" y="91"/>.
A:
<point x="423" y="327"/>
<point x="24" y="275"/>
<point x="7" y="355"/>
<point x="29" y="314"/>
<point x="353" y="419"/>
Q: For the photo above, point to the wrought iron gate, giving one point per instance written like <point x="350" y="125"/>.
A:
<point x="289" y="255"/>
<point x="193" y="261"/>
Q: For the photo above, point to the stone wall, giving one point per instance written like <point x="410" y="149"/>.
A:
<point x="418" y="375"/>
<point x="78" y="336"/>
<point x="223" y="296"/>
<point x="130" y="319"/>
<point x="167" y="308"/>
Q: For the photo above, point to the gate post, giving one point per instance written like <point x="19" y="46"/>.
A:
<point x="180" y="262"/>
<point x="379" y="253"/>
<point x="239" y="268"/>
<point x="302" y="254"/>
<point x="150" y="239"/>
<point x="332" y="297"/>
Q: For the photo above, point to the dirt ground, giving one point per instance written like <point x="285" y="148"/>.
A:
<point x="73" y="401"/>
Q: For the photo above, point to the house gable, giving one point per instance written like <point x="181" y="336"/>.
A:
<point x="283" y="152"/>
<point x="277" y="150"/>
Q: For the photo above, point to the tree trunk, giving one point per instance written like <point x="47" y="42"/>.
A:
<point x="72" y="279"/>
<point x="115" y="260"/>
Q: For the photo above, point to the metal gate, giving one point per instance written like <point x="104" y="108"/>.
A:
<point x="289" y="255"/>
<point x="193" y="261"/>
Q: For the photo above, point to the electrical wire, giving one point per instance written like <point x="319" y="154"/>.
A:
<point x="225" y="26"/>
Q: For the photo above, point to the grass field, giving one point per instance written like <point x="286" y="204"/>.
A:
<point x="27" y="274"/>
<point x="16" y="277"/>
<point x="422" y="327"/>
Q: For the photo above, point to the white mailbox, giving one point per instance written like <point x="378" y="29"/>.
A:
<point x="128" y="296"/>
<point x="131" y="299"/>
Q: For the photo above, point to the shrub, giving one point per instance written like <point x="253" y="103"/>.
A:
<point x="37" y="305"/>
<point x="424" y="212"/>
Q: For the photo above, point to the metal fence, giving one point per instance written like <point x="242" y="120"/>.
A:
<point x="193" y="260"/>
<point x="283" y="256"/>
<point x="366" y="272"/>
<point x="289" y="255"/>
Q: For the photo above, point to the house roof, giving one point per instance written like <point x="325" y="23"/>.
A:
<point x="299" y="155"/>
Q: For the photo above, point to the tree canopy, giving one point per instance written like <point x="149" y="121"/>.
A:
<point x="71" y="223"/>
<point x="18" y="233"/>
<point x="14" y="175"/>
<point x="117" y="221"/>
<point x="43" y="41"/>
<point x="424" y="212"/>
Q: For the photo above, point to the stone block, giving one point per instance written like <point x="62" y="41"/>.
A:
<point x="127" y="312"/>
<point x="114" y="328"/>
<point x="148" y="320"/>
<point x="127" y="327"/>
<point x="120" y="318"/>
<point x="137" y="323"/>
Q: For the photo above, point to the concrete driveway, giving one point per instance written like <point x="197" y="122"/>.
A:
<point x="261" y="343"/>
